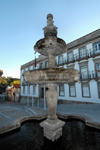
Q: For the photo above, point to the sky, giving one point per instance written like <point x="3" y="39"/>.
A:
<point x="22" y="23"/>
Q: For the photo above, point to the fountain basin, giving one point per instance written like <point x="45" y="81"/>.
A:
<point x="76" y="136"/>
<point x="53" y="75"/>
<point x="43" y="45"/>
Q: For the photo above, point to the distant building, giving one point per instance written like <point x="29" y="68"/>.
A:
<point x="82" y="54"/>
<point x="1" y="72"/>
<point x="17" y="92"/>
<point x="13" y="93"/>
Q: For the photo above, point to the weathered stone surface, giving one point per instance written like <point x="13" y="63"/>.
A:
<point x="55" y="75"/>
<point x="52" y="98"/>
<point x="51" y="46"/>
<point x="50" y="41"/>
<point x="53" y="130"/>
<point x="52" y="125"/>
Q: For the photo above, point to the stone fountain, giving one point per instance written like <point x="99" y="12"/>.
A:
<point x="51" y="46"/>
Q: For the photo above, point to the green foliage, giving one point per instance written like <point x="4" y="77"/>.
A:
<point x="3" y="81"/>
<point x="15" y="82"/>
<point x="8" y="82"/>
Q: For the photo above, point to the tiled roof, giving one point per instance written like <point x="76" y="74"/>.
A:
<point x="17" y="85"/>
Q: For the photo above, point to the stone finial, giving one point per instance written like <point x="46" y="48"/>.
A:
<point x="49" y="16"/>
<point x="50" y="29"/>
<point x="50" y="20"/>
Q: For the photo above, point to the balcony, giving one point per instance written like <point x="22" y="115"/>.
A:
<point x="61" y="62"/>
<point x="91" y="75"/>
<point x="78" y="57"/>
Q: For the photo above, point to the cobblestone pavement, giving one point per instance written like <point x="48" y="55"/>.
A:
<point x="11" y="111"/>
<point x="90" y="110"/>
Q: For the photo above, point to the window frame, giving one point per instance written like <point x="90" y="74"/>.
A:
<point x="59" y="89"/>
<point x="98" y="89"/>
<point x="60" y="61"/>
<point x="81" y="72"/>
<point x="41" y="65"/>
<point x="97" y="72"/>
<point x="82" y="89"/>
<point x="28" y="89"/>
<point x="46" y="64"/>
<point x="34" y="87"/>
<point x="23" y="89"/>
<point x="94" y="47"/>
<point x="70" y="91"/>
<point x="68" y="56"/>
<point x="83" y="53"/>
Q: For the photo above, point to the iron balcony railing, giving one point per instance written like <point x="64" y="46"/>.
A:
<point x="73" y="58"/>
<point x="91" y="75"/>
<point x="78" y="57"/>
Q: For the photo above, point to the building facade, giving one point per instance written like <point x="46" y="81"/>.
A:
<point x="82" y="54"/>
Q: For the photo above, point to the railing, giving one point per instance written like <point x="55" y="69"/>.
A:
<point x="78" y="57"/>
<point x="91" y="75"/>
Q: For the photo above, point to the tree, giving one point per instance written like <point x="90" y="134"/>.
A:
<point x="3" y="81"/>
<point x="15" y="82"/>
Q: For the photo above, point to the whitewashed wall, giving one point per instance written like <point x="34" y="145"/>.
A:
<point x="92" y="84"/>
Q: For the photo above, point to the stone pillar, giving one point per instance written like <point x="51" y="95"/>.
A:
<point x="44" y="99"/>
<point x="51" y="59"/>
<point x="27" y="100"/>
<point x="52" y="125"/>
<point x="52" y="98"/>
<point x="38" y="102"/>
<point x="32" y="101"/>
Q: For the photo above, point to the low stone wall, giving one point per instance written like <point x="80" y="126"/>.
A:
<point x="2" y="98"/>
<point x="23" y="99"/>
<point x="60" y="101"/>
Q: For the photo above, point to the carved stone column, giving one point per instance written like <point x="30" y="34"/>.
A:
<point x="52" y="125"/>
<point x="51" y="59"/>
<point x="52" y="98"/>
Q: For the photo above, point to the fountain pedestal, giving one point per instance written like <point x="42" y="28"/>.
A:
<point x="52" y="126"/>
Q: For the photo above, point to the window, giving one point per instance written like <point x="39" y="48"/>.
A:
<point x="23" y="89"/>
<point x="70" y="56"/>
<point x="29" y="68"/>
<point x="98" y="70"/>
<point x="46" y="64"/>
<point x="34" y="67"/>
<point x="96" y="47"/>
<point x="41" y="65"/>
<point x="85" y="90"/>
<point x="34" y="89"/>
<point x="84" y="72"/>
<point x="82" y="52"/>
<point x="23" y="72"/>
<point x="61" y="90"/>
<point x="99" y="89"/>
<point x="37" y="66"/>
<point x="72" y="92"/>
<point x="60" y="59"/>
<point x="28" y="89"/>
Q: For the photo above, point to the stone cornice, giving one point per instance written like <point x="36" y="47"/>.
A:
<point x="89" y="37"/>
